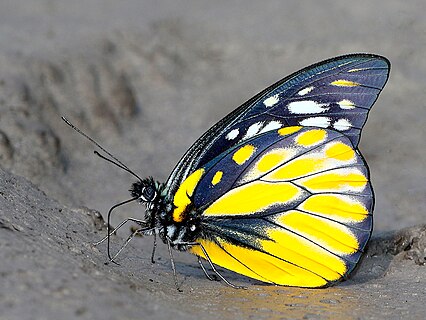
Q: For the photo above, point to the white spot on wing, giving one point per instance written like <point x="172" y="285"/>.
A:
<point x="253" y="130"/>
<point x="342" y="125"/>
<point x="269" y="102"/>
<point x="271" y="126"/>
<point x="357" y="69"/>
<point x="305" y="91"/>
<point x="322" y="122"/>
<point x="306" y="106"/>
<point x="346" y="104"/>
<point x="232" y="134"/>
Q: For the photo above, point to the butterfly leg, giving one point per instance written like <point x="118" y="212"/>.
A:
<point x="215" y="270"/>
<point x="139" y="222"/>
<point x="129" y="238"/>
<point x="107" y="237"/>
<point x="208" y="259"/>
<point x="172" y="261"/>
<point x="154" y="247"/>
<point x="204" y="269"/>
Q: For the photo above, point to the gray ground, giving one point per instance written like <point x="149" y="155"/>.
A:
<point x="146" y="78"/>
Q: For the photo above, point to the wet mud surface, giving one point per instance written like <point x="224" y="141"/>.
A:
<point x="146" y="81"/>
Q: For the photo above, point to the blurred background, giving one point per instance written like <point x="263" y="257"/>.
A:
<point x="147" y="78"/>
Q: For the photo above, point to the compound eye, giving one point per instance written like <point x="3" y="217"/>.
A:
<point x="148" y="194"/>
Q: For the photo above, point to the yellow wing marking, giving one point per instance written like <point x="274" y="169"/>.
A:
<point x="217" y="177"/>
<point x="288" y="130"/>
<point x="311" y="137"/>
<point x="340" y="151"/>
<point x="269" y="161"/>
<point x="254" y="197"/>
<point x="296" y="168"/>
<point x="329" y="234"/>
<point x="357" y="69"/>
<point x="333" y="155"/>
<point x="337" y="207"/>
<point x="273" y="159"/>
<point x="218" y="256"/>
<point x="259" y="265"/>
<point x="337" y="180"/>
<point x="243" y="154"/>
<point x="344" y="83"/>
<point x="181" y="199"/>
<point x="299" y="251"/>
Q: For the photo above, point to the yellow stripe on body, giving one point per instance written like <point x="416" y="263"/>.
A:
<point x="340" y="208"/>
<point x="258" y="265"/>
<point x="337" y="180"/>
<point x="331" y="235"/>
<point x="254" y="197"/>
<point x="181" y="199"/>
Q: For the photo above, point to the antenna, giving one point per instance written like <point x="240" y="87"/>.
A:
<point x="112" y="158"/>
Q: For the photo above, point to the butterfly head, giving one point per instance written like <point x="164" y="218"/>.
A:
<point x="144" y="190"/>
<point x="151" y="193"/>
<point x="159" y="214"/>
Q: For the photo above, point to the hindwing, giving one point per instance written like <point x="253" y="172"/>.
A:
<point x="292" y="206"/>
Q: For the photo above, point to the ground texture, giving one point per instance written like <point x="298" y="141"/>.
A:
<point x="146" y="78"/>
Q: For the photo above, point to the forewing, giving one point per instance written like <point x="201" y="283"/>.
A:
<point x="337" y="94"/>
<point x="291" y="207"/>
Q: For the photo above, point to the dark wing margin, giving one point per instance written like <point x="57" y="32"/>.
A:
<point x="336" y="94"/>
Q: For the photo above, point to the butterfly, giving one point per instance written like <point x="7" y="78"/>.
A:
<point x="277" y="190"/>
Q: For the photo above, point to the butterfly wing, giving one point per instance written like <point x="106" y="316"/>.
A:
<point x="291" y="206"/>
<point x="337" y="93"/>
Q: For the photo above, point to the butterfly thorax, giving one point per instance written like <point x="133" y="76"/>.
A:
<point x="159" y="215"/>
